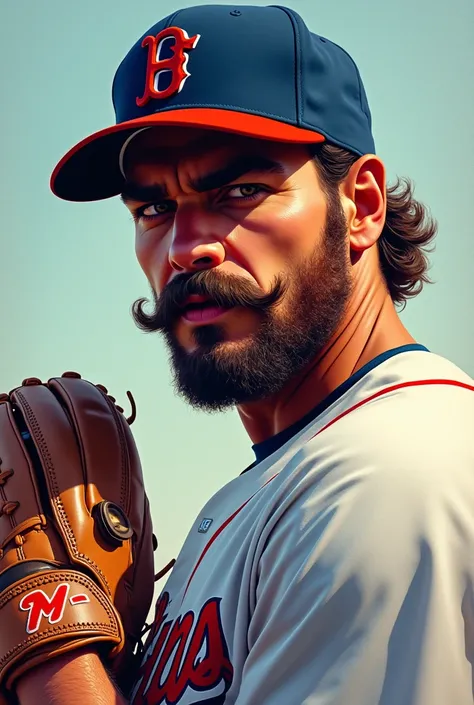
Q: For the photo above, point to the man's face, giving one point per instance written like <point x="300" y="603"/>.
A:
<point x="247" y="258"/>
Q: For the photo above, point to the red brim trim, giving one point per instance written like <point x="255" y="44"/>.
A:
<point x="211" y="118"/>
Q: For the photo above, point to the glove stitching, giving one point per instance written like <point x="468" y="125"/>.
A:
<point x="3" y="495"/>
<point x="124" y="485"/>
<point x="56" y="631"/>
<point x="57" y="576"/>
<point x="56" y="498"/>
<point x="126" y="465"/>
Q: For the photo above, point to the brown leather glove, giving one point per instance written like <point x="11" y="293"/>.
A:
<point x="76" y="542"/>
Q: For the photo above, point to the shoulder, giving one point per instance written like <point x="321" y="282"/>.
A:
<point x="402" y="456"/>
<point x="408" y="413"/>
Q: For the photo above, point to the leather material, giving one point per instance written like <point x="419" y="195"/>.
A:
<point x="22" y="570"/>
<point x="64" y="610"/>
<point x="66" y="449"/>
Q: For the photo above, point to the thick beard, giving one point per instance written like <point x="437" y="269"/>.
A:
<point x="219" y="375"/>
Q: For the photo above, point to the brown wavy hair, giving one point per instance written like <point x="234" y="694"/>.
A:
<point x="408" y="233"/>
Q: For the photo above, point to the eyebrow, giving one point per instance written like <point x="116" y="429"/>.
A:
<point x="223" y="176"/>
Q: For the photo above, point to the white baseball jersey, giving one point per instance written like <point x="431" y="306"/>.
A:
<point x="339" y="568"/>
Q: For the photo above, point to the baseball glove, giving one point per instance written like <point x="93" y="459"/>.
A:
<point x="76" y="541"/>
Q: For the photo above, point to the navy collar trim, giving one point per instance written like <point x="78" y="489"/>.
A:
<point x="270" y="445"/>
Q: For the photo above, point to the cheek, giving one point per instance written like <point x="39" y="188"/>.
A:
<point x="272" y="240"/>
<point x="301" y="226"/>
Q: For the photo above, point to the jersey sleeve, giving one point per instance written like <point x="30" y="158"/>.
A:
<point x="363" y="581"/>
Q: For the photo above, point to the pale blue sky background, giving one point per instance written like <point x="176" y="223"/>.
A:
<point x="68" y="274"/>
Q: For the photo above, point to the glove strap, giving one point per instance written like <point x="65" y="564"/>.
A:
<point x="49" y="613"/>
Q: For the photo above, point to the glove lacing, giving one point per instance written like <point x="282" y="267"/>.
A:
<point x="147" y="627"/>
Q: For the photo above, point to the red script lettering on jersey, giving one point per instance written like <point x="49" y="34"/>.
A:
<point x="189" y="652"/>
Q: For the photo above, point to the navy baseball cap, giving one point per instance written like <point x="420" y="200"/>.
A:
<point x="254" y="71"/>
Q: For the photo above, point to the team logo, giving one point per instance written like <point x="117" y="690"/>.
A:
<point x="39" y="605"/>
<point x="175" y="65"/>
<point x="204" y="526"/>
<point x="186" y="654"/>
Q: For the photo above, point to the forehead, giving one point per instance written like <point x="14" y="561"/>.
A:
<point x="203" y="149"/>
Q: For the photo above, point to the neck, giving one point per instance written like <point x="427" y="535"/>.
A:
<point x="369" y="327"/>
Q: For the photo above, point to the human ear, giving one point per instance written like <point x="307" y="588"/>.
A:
<point x="364" y="187"/>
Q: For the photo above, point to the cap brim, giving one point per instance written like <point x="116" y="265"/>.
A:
<point x="90" y="170"/>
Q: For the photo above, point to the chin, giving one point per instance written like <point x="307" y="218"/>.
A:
<point x="213" y="337"/>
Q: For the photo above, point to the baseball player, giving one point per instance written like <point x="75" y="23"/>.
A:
<point x="337" y="569"/>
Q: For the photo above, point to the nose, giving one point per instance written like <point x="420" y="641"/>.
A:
<point x="195" y="243"/>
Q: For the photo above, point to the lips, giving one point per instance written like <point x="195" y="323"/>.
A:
<point x="201" y="309"/>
